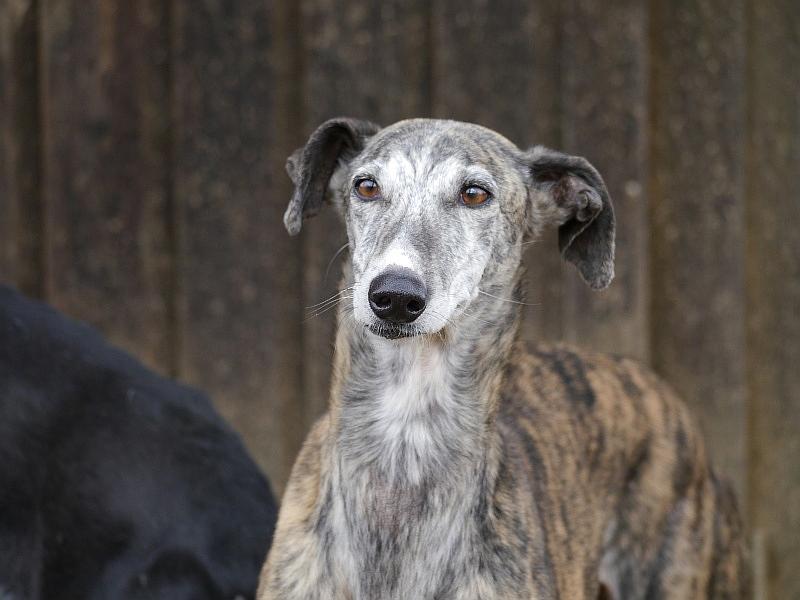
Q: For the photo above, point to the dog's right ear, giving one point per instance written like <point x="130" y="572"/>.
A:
<point x="311" y="167"/>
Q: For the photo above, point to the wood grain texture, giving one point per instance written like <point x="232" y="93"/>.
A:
<point x="697" y="223"/>
<point x="773" y="287"/>
<point x="239" y="310"/>
<point x="605" y="119"/>
<point x="508" y="79"/>
<point x="104" y="117"/>
<point x="8" y="218"/>
<point x="364" y="60"/>
<point x="20" y="202"/>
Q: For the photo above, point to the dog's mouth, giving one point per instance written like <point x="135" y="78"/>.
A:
<point x="392" y="331"/>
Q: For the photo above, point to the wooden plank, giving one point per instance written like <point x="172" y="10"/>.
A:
<point x="365" y="60"/>
<point x="510" y="85"/>
<point x="8" y="238"/>
<point x="239" y="311"/>
<point x="104" y="116"/>
<point x="697" y="217"/>
<point x="20" y="201"/>
<point x="773" y="287"/>
<point x="605" y="119"/>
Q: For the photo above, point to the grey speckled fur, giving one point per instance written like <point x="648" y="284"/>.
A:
<point x="454" y="463"/>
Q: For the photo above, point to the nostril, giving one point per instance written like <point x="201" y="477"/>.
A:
<point x="383" y="301"/>
<point x="415" y="306"/>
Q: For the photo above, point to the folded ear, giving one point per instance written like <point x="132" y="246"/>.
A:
<point x="311" y="167"/>
<point x="568" y="191"/>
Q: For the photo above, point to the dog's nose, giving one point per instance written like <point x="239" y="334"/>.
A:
<point x="397" y="296"/>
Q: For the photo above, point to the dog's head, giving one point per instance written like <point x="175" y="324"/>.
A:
<point x="437" y="211"/>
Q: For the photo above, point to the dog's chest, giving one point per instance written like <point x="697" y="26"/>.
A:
<point x="405" y="490"/>
<point x="403" y="543"/>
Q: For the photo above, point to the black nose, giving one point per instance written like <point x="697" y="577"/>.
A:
<point x="398" y="296"/>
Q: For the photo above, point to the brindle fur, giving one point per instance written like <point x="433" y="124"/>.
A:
<point x="458" y="464"/>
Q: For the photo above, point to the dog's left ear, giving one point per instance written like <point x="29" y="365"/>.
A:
<point x="568" y="191"/>
<point x="311" y="167"/>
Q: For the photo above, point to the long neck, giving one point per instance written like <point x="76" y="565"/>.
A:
<point x="414" y="451"/>
<point x="421" y="410"/>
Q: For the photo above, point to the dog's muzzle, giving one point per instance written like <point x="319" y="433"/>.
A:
<point x="397" y="296"/>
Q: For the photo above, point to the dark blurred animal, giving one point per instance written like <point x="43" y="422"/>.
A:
<point x="116" y="483"/>
<point x="455" y="463"/>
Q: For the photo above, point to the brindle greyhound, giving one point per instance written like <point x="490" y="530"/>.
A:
<point x="453" y="463"/>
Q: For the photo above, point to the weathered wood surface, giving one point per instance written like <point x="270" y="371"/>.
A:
<point x="697" y="233"/>
<point x="366" y="60"/>
<point x="604" y="118"/>
<point x="238" y="311"/>
<point x="104" y="107"/>
<point x="773" y="288"/>
<point x="20" y="201"/>
<point x="515" y="89"/>
<point x="8" y="212"/>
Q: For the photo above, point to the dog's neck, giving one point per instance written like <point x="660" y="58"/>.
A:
<point x="420" y="411"/>
<point x="413" y="447"/>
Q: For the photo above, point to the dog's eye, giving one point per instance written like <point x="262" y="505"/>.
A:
<point x="473" y="195"/>
<point x="367" y="189"/>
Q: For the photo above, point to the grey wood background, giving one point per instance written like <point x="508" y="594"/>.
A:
<point x="142" y="187"/>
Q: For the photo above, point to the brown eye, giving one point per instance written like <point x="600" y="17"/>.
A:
<point x="367" y="189"/>
<point x="474" y="196"/>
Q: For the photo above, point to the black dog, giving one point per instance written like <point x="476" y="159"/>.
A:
<point x="116" y="483"/>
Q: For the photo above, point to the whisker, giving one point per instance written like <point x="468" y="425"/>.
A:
<point x="473" y="316"/>
<point x="480" y="291"/>
<point x="324" y="307"/>
<point x="463" y="310"/>
<point x="331" y="299"/>
<point x="327" y="308"/>
<point x="447" y="320"/>
<point x="330" y="304"/>
<point x="333" y="258"/>
<point x="314" y="316"/>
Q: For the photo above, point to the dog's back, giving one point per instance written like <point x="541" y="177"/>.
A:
<point x="115" y="482"/>
<point x="617" y="465"/>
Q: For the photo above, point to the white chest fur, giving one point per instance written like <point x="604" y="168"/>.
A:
<point x="407" y="481"/>
<point x="413" y="410"/>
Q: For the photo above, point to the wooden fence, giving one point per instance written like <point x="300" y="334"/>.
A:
<point x="142" y="188"/>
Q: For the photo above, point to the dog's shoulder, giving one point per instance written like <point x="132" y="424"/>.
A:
<point x="600" y="403"/>
<point x="302" y="506"/>
<point x="302" y="492"/>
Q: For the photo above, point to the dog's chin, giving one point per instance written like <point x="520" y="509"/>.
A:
<point x="403" y="331"/>
<point x="394" y="332"/>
